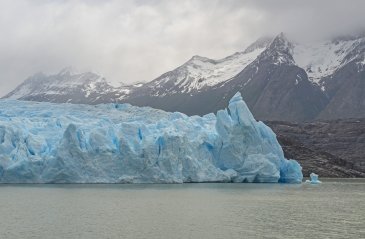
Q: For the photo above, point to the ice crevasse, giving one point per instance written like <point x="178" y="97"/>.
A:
<point x="120" y="143"/>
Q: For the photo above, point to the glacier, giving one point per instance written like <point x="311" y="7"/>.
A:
<point x="121" y="143"/>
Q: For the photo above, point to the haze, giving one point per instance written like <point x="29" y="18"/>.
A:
<point x="130" y="41"/>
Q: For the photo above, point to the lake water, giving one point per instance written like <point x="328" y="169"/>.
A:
<point x="334" y="209"/>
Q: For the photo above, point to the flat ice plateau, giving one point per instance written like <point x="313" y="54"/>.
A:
<point x="120" y="143"/>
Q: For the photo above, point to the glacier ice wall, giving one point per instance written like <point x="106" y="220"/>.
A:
<point x="120" y="143"/>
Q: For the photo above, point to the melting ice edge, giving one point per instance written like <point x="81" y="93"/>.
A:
<point x="120" y="143"/>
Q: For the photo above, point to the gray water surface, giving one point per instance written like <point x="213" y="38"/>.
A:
<point x="334" y="209"/>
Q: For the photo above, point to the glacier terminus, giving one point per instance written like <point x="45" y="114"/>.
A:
<point x="121" y="143"/>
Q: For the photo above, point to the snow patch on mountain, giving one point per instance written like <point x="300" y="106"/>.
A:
<point x="321" y="59"/>
<point x="201" y="72"/>
<point x="62" y="83"/>
<point x="210" y="73"/>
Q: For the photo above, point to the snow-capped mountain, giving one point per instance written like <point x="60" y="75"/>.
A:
<point x="279" y="79"/>
<point x="272" y="84"/>
<point x="70" y="86"/>
<point x="276" y="88"/>
<point x="66" y="86"/>
<point x="200" y="72"/>
<point x="323" y="59"/>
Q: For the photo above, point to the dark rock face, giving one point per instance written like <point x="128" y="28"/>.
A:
<point x="346" y="93"/>
<point x="276" y="92"/>
<point x="346" y="87"/>
<point x="329" y="148"/>
<point x="273" y="87"/>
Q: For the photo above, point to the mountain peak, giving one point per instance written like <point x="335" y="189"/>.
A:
<point x="281" y="35"/>
<point x="350" y="37"/>
<point x="200" y="58"/>
<point x="262" y="42"/>
<point x="67" y="82"/>
<point x="280" y="51"/>
<point x="69" y="70"/>
<point x="281" y="42"/>
<point x="35" y="78"/>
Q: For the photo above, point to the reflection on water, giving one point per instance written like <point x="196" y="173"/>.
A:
<point x="334" y="209"/>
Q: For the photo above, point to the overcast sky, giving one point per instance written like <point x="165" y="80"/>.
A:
<point x="129" y="41"/>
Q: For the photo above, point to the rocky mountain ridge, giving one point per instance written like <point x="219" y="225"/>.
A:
<point x="279" y="79"/>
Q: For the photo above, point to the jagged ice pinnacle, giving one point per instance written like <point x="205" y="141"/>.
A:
<point x="120" y="143"/>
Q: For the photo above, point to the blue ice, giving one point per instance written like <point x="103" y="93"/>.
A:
<point x="120" y="143"/>
<point x="313" y="179"/>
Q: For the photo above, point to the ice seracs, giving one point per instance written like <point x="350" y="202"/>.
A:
<point x="120" y="143"/>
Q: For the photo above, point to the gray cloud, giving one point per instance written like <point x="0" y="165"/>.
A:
<point x="132" y="41"/>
